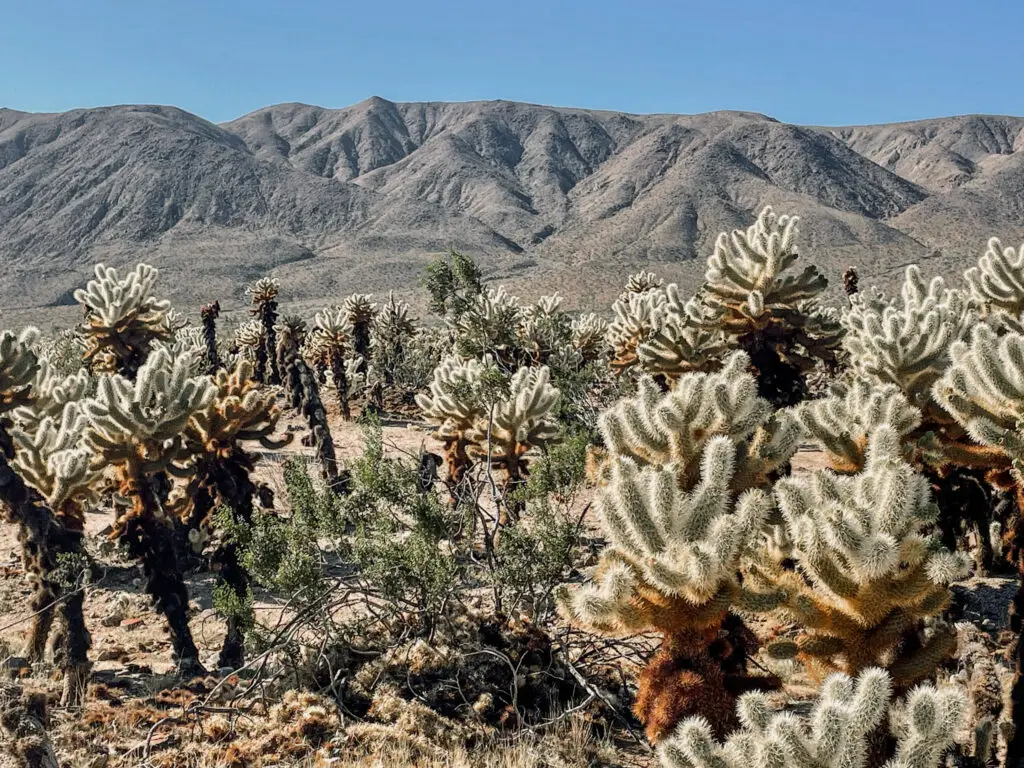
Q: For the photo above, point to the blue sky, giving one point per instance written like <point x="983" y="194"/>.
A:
<point x="812" y="62"/>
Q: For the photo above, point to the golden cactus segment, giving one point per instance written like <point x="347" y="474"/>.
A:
<point x="661" y="429"/>
<point x="53" y="458"/>
<point x="239" y="411"/>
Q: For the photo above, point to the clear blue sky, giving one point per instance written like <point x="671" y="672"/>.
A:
<point x="806" y="61"/>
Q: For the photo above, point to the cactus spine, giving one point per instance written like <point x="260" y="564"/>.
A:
<point x="868" y="576"/>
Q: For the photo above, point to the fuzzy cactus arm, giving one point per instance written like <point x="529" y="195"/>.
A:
<point x="123" y="318"/>
<point x="868" y="571"/>
<point x="930" y="721"/>
<point x="144" y="419"/>
<point x="907" y="341"/>
<point x="19" y="367"/>
<point x="54" y="459"/>
<point x="837" y="733"/>
<point x="840" y="424"/>
<point x="998" y="279"/>
<point x="746" y="271"/>
<point x="983" y="390"/>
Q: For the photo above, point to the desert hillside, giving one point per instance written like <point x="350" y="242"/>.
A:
<point x="332" y="201"/>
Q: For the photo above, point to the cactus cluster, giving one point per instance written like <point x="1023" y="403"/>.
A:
<point x="477" y="422"/>
<point x="840" y="731"/>
<point x="868" y="575"/>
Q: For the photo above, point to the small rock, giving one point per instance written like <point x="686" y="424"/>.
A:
<point x="113" y="620"/>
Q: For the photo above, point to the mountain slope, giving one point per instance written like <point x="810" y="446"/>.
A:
<point x="357" y="198"/>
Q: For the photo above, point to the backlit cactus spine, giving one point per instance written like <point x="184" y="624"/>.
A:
<point x="329" y="343"/>
<point x="868" y="577"/>
<point x="454" y="404"/>
<point x="767" y="311"/>
<point x="122" y="319"/>
<point x="983" y="389"/>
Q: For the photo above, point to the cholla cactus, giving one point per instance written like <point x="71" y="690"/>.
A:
<point x="984" y="391"/>
<point x="841" y="423"/>
<point x="53" y="459"/>
<point x="767" y="312"/>
<point x="455" y="404"/>
<point x="329" y="344"/>
<point x="641" y="282"/>
<point x="361" y="311"/>
<point x="997" y="284"/>
<point x="637" y="317"/>
<point x="682" y="502"/>
<point x="689" y="338"/>
<point x="588" y="336"/>
<point x="123" y="319"/>
<point x="249" y="340"/>
<point x="393" y="330"/>
<point x="851" y="281"/>
<point x="838" y="733"/>
<point x="490" y="325"/>
<point x="222" y="470"/>
<point x="508" y="431"/>
<point x="868" y="577"/>
<point x="138" y="429"/>
<point x="263" y="294"/>
<point x="663" y="429"/>
<point x="25" y="474"/>
<point x="305" y="396"/>
<point x="907" y="342"/>
<point x="545" y="328"/>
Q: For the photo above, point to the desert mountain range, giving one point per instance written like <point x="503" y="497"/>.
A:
<point x="338" y="200"/>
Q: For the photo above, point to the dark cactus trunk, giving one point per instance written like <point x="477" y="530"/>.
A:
<point x="361" y="342"/>
<point x="1015" y="747"/>
<point x="340" y="382"/>
<point x="210" y="313"/>
<point x="236" y="490"/>
<point x="268" y="316"/>
<point x="43" y="540"/>
<point x="150" y="539"/>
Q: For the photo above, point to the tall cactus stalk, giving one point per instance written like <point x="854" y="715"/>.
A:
<point x="300" y="381"/>
<point x="222" y="475"/>
<point x="209" y="314"/>
<point x="263" y="294"/>
<point x="329" y="343"/>
<point x="50" y="456"/>
<point x="137" y="428"/>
